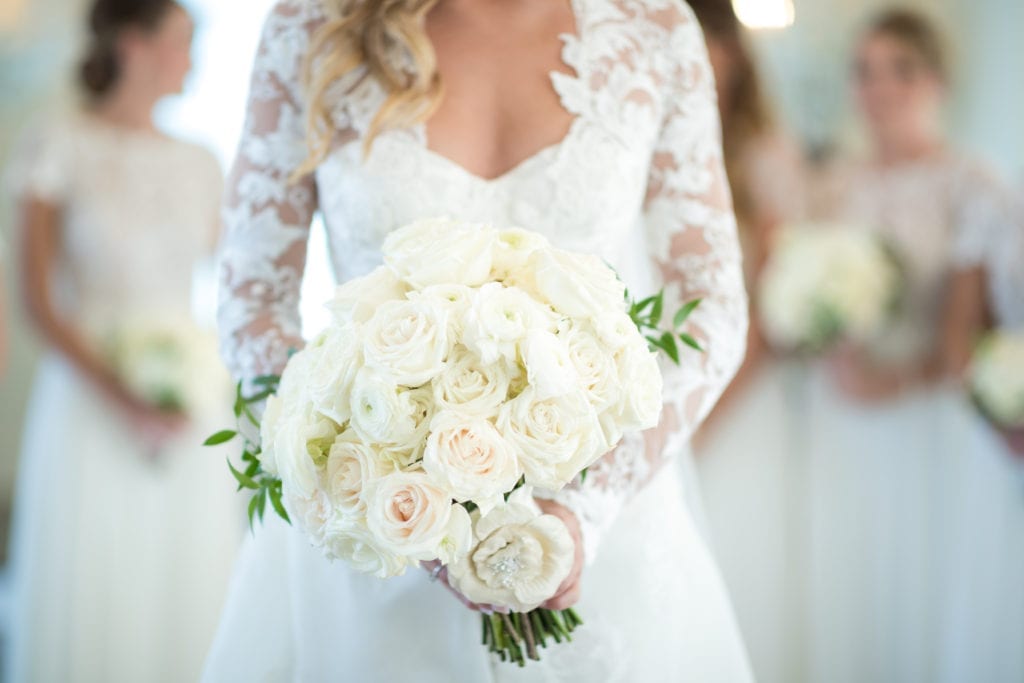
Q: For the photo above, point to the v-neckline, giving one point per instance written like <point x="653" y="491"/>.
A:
<point x="567" y="40"/>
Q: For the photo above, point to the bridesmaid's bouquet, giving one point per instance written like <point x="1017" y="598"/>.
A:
<point x="997" y="378"/>
<point x="473" y="368"/>
<point x="167" y="363"/>
<point x="826" y="283"/>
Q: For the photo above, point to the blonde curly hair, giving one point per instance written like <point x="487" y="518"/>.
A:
<point x="371" y="33"/>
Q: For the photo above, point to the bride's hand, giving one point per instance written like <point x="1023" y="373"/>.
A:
<point x="439" y="572"/>
<point x="568" y="594"/>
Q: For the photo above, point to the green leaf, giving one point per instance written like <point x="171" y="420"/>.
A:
<point x="267" y="380"/>
<point x="275" y="500"/>
<point x="691" y="342"/>
<point x="220" y="437"/>
<point x="683" y="313"/>
<point x="261" y="505"/>
<point x="244" y="481"/>
<point x="583" y="475"/>
<point x="252" y="511"/>
<point x="668" y="343"/>
<point x="656" y="310"/>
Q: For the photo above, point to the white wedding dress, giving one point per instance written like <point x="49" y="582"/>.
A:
<point x="637" y="180"/>
<point x="119" y="562"/>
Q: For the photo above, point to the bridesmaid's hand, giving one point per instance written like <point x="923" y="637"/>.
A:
<point x="568" y="594"/>
<point x="860" y="381"/>
<point x="156" y="426"/>
<point x="1014" y="438"/>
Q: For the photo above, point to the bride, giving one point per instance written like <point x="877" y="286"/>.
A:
<point x="592" y="122"/>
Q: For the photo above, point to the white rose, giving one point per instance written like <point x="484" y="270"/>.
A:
<point x="554" y="438"/>
<point x="595" y="366"/>
<point x="439" y="251"/>
<point x="351" y="465"/>
<point x="512" y="250"/>
<point x="291" y="398"/>
<point x="470" y="387"/>
<point x="520" y="557"/>
<point x="384" y="413"/>
<point x="642" y="388"/>
<point x="500" y="318"/>
<point x="310" y="514"/>
<point x="301" y="444"/>
<point x="453" y="299"/>
<point x="407" y="340"/>
<point x="333" y="360"/>
<point x="410" y="515"/>
<point x="549" y="369"/>
<point x="357" y="299"/>
<point x="614" y="329"/>
<point x="410" y="436"/>
<point x="577" y="285"/>
<point x="470" y="459"/>
<point x="351" y="541"/>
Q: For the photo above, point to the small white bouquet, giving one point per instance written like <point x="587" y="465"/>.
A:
<point x="166" y="362"/>
<point x="827" y="282"/>
<point x="473" y="368"/>
<point x="997" y="378"/>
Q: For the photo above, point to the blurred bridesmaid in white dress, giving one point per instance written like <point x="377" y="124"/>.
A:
<point x="746" y="454"/>
<point x="888" y="423"/>
<point x="124" y="526"/>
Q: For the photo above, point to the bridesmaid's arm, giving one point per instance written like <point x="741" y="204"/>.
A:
<point x="692" y="234"/>
<point x="267" y="212"/>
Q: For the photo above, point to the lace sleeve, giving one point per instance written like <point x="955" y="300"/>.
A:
<point x="694" y="246"/>
<point x="266" y="213"/>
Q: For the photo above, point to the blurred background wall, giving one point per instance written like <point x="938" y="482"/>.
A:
<point x="806" y="65"/>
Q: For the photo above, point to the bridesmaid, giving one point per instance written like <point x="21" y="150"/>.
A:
<point x="124" y="528"/>
<point x="888" y="425"/>
<point x="745" y="452"/>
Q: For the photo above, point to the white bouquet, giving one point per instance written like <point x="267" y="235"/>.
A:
<point x="167" y="362"/>
<point x="827" y="282"/>
<point x="997" y="378"/>
<point x="474" y="367"/>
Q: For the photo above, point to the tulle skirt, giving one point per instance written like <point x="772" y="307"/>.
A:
<point x="119" y="563"/>
<point x="752" y="475"/>
<point x="654" y="607"/>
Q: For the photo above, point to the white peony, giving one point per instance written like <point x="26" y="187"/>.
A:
<point x="351" y="465"/>
<point x="470" y="459"/>
<point x="407" y="340"/>
<point x="520" y="557"/>
<point x="439" y="251"/>
<point x="358" y="299"/>
<point x="549" y="369"/>
<point x="500" y="318"/>
<point x="350" y="540"/>
<point x="577" y="285"/>
<point x="410" y="515"/>
<point x="554" y="438"/>
<point x="470" y="387"/>
<point x="512" y="250"/>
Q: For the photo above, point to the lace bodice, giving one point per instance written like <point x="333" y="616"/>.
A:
<point x="137" y="210"/>
<point x="638" y="180"/>
<point x="939" y="215"/>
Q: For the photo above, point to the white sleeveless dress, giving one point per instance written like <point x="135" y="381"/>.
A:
<point x="637" y="180"/>
<point x="888" y="483"/>
<point x="119" y="563"/>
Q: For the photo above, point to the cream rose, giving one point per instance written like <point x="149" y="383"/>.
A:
<point x="499" y="319"/>
<point x="470" y="387"/>
<point x="549" y="368"/>
<point x="408" y="340"/>
<point x="642" y="385"/>
<point x="351" y="541"/>
<point x="408" y="514"/>
<point x="519" y="559"/>
<point x="595" y="366"/>
<point x="470" y="459"/>
<point x="554" y="438"/>
<point x="439" y="251"/>
<point x="351" y="466"/>
<point x="577" y="285"/>
<point x="357" y="299"/>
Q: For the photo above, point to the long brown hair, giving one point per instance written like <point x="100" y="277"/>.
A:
<point x="745" y="112"/>
<point x="389" y="39"/>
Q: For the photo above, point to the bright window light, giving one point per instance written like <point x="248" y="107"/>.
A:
<point x="765" y="14"/>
